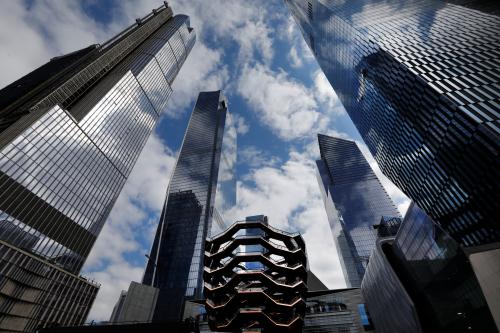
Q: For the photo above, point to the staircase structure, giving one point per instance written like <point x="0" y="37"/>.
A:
<point x="255" y="278"/>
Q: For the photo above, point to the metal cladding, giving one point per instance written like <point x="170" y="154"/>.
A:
<point x="420" y="81"/>
<point x="70" y="134"/>
<point x="263" y="286"/>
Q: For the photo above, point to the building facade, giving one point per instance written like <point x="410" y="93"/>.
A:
<point x="207" y="154"/>
<point x="136" y="305"/>
<point x="355" y="201"/>
<point x="336" y="311"/>
<point x="388" y="226"/>
<point x="422" y="281"/>
<point x="419" y="79"/>
<point x="391" y="308"/>
<point x="70" y="133"/>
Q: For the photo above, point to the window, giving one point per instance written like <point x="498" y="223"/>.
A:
<point x="364" y="317"/>
<point x="310" y="11"/>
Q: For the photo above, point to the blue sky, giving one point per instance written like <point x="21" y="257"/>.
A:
<point x="255" y="53"/>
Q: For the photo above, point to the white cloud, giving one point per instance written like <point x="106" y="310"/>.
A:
<point x="238" y="22"/>
<point x="325" y="94"/>
<point x="322" y="253"/>
<point x="283" y="104"/>
<point x="18" y="58"/>
<point x="291" y="29"/>
<point x="202" y="71"/>
<point x="289" y="195"/>
<point x="253" y="157"/>
<point x="242" y="22"/>
<point x="45" y="30"/>
<point x="240" y="123"/>
<point x="255" y="39"/>
<point x="66" y="25"/>
<point x="300" y="53"/>
<point x="294" y="58"/>
<point x="403" y="205"/>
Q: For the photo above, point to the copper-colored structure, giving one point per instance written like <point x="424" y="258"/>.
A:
<point x="255" y="278"/>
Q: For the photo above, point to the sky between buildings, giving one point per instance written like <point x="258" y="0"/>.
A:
<point x="280" y="99"/>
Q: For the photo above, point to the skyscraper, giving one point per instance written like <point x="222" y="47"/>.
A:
<point x="355" y="201"/>
<point x="194" y="197"/>
<point x="419" y="79"/>
<point x="70" y="133"/>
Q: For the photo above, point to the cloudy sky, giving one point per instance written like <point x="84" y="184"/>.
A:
<point x="255" y="53"/>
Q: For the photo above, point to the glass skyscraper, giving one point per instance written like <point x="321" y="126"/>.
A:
<point x="420" y="80"/>
<point x="70" y="133"/>
<point x="355" y="201"/>
<point x="201" y="188"/>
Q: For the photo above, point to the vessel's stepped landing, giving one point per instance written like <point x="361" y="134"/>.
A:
<point x="255" y="278"/>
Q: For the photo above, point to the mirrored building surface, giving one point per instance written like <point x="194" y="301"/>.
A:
<point x="355" y="201"/>
<point x="70" y="133"/>
<point x="422" y="281"/>
<point x="207" y="154"/>
<point x="419" y="79"/>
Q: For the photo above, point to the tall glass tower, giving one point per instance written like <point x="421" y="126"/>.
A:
<point x="419" y="79"/>
<point x="70" y="133"/>
<point x="355" y="201"/>
<point x="202" y="183"/>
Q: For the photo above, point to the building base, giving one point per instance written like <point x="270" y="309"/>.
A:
<point x="35" y="293"/>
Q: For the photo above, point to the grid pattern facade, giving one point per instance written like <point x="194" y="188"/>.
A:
<point x="420" y="81"/>
<point x="176" y="260"/>
<point x="68" y="145"/>
<point x="63" y="172"/>
<point x="56" y="186"/>
<point x="64" y="80"/>
<point x="355" y="201"/>
<point x="34" y="294"/>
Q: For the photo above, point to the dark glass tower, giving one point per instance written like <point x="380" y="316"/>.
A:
<point x="355" y="201"/>
<point x="419" y="79"/>
<point x="70" y="133"/>
<point x="421" y="280"/>
<point x="208" y="154"/>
